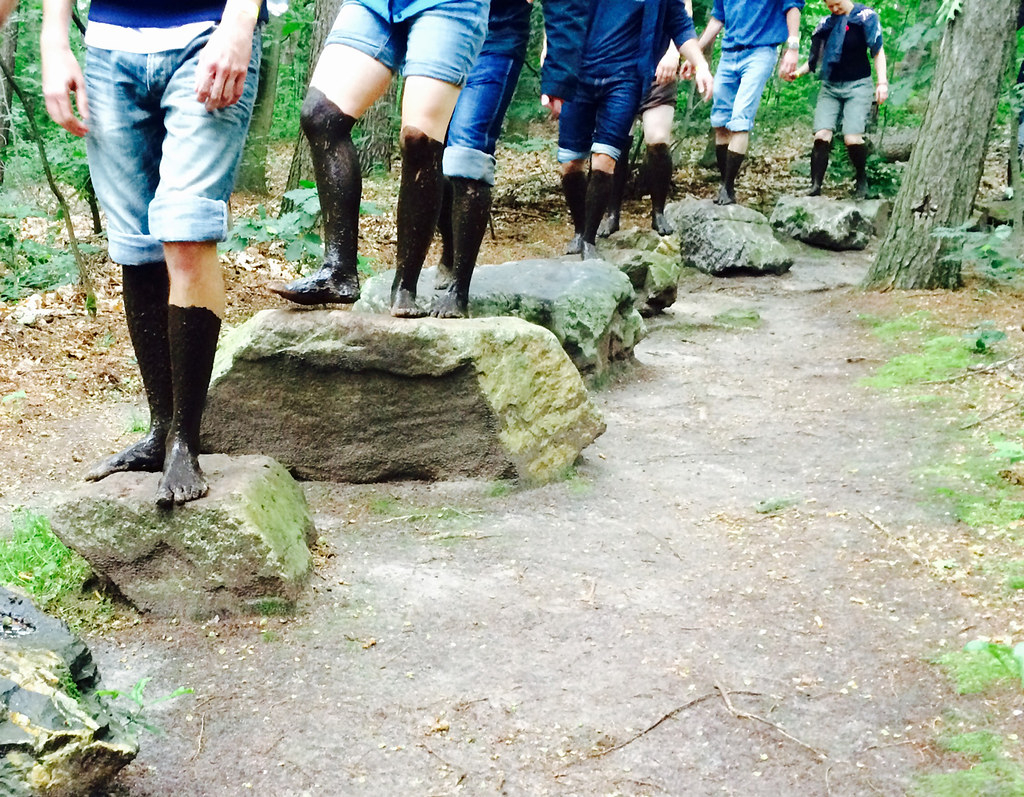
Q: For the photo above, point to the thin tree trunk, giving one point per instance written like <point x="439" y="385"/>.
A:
<point x="942" y="178"/>
<point x="8" y="49"/>
<point x="377" y="125"/>
<point x="252" y="172"/>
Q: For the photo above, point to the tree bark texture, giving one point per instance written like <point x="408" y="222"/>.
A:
<point x="8" y="49"/>
<point x="942" y="177"/>
<point x="378" y="132"/>
<point x="252" y="172"/>
<point x="323" y="18"/>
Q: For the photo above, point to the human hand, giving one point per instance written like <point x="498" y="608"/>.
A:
<point x="62" y="77"/>
<point x="224" y="61"/>
<point x="881" y="93"/>
<point x="668" y="67"/>
<point x="787" y="66"/>
<point x="704" y="81"/>
<point x="553" y="104"/>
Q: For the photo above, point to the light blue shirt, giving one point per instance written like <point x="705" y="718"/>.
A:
<point x="753" y="23"/>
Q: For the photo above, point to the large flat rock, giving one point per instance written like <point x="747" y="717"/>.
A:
<point x="343" y="396"/>
<point x="587" y="304"/>
<point x="826" y="223"/>
<point x="724" y="240"/>
<point x="242" y="549"/>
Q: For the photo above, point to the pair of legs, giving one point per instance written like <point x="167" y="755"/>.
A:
<point x="362" y="55"/>
<point x="163" y="169"/>
<point x="851" y="103"/>
<point x="739" y="84"/>
<point x="656" y="115"/>
<point x="594" y="124"/>
<point x="468" y="166"/>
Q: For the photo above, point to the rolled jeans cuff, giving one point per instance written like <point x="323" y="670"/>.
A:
<point x="185" y="217"/>
<point x="133" y="250"/>
<point x="469" y="163"/>
<point x="569" y="155"/>
<point x="606" y="149"/>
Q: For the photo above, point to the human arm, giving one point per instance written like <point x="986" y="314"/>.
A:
<point x="6" y="7"/>
<point x="714" y="27"/>
<point x="62" y="75"/>
<point x="224" y="61"/>
<point x="787" y="66"/>
<point x="882" y="87"/>
<point x="699" y="65"/>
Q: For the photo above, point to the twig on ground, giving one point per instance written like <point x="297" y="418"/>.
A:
<point x="199" y="745"/>
<point x="973" y="372"/>
<point x="992" y="415"/>
<point x="670" y="715"/>
<point x="451" y="766"/>
<point x="747" y="715"/>
<point x="892" y="537"/>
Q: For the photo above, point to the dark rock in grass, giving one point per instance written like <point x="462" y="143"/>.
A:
<point x="57" y="736"/>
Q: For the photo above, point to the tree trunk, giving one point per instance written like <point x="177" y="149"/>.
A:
<point x="8" y="49"/>
<point x="942" y="178"/>
<point x="377" y="127"/>
<point x="252" y="172"/>
<point x="302" y="167"/>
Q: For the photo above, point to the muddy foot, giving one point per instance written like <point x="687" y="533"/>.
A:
<point x="329" y="285"/>
<point x="660" y="224"/>
<point x="609" y="224"/>
<point x="146" y="456"/>
<point x="183" y="479"/>
<point x="590" y="251"/>
<point x="575" y="245"/>
<point x="448" y="305"/>
<point x="724" y="197"/>
<point x="404" y="305"/>
<point x="445" y="277"/>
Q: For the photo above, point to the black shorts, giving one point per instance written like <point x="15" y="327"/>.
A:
<point x="660" y="94"/>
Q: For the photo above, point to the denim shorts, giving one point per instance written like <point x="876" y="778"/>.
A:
<point x="162" y="165"/>
<point x="598" y="119"/>
<point x="849" y="101"/>
<point x="476" y="124"/>
<point x="739" y="82"/>
<point x="441" y="42"/>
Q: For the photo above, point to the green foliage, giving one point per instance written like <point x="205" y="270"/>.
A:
<point x="136" y="714"/>
<point x="982" y="338"/>
<point x="992" y="772"/>
<point x="27" y="266"/>
<point x="983" y="664"/>
<point x="993" y="254"/>
<point x="36" y="561"/>
<point x="891" y="329"/>
<point x="939" y="358"/>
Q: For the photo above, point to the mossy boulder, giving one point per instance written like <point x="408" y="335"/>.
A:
<point x="652" y="264"/>
<point x="242" y="549"/>
<point x="343" y="396"/>
<point x="824" y="222"/>
<point x="587" y="304"/>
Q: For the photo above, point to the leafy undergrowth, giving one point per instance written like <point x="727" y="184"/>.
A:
<point x="965" y="370"/>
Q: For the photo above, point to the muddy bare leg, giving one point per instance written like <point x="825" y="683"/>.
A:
<point x="471" y="208"/>
<point x="445" y="266"/>
<point x="574" y="186"/>
<point x="145" y="289"/>
<point x="612" y="214"/>
<point x="659" y="176"/>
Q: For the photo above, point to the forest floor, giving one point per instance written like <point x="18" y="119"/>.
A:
<point x="743" y="589"/>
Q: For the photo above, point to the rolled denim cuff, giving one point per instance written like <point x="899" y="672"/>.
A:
<point x="569" y="155"/>
<point x="185" y="217"/>
<point x="469" y="163"/>
<point x="133" y="250"/>
<point x="606" y="149"/>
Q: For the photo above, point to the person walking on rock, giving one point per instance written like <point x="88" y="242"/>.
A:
<point x="657" y="110"/>
<point x="434" y="43"/>
<point x="840" y="44"/>
<point x="625" y="40"/>
<point x="754" y="29"/>
<point x="164" y="104"/>
<point x="468" y="162"/>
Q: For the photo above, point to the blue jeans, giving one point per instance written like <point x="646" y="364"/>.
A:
<point x="599" y="117"/>
<point x="162" y="165"/>
<point x="739" y="82"/>
<point x="476" y="123"/>
<point x="440" y="43"/>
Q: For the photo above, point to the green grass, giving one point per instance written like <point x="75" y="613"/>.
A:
<point x="991" y="774"/>
<point x="981" y="666"/>
<point x="35" y="561"/>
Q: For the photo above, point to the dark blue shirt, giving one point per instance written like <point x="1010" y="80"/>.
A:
<point x="630" y="36"/>
<point x="155" y="14"/>
<point x="863" y="34"/>
<point x="753" y="23"/>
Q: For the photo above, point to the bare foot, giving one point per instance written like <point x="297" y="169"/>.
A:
<point x="575" y="245"/>
<point x="448" y="305"/>
<point x="146" y="456"/>
<point x="445" y="277"/>
<point x="183" y="479"/>
<point x="590" y="252"/>
<point x="609" y="224"/>
<point x="724" y="197"/>
<point x="404" y="305"/>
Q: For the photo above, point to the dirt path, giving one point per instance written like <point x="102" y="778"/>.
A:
<point x="615" y="633"/>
